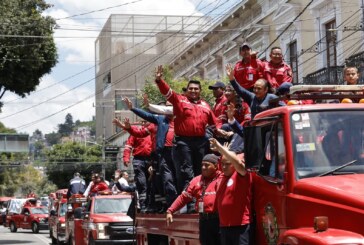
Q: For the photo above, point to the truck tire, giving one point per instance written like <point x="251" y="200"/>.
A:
<point x="13" y="227"/>
<point x="35" y="227"/>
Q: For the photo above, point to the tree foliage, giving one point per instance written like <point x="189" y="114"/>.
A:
<point x="6" y="130"/>
<point x="53" y="138"/>
<point x="28" y="51"/>
<point x="63" y="160"/>
<point x="66" y="128"/>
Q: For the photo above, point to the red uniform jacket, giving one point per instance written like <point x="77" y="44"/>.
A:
<point x="204" y="190"/>
<point x="243" y="113"/>
<point x="143" y="132"/>
<point x="191" y="118"/>
<point x="141" y="147"/>
<point x="247" y="74"/>
<point x="220" y="108"/>
<point x="100" y="186"/>
<point x="277" y="74"/>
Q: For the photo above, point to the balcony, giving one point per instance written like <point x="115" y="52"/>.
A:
<point x="325" y="76"/>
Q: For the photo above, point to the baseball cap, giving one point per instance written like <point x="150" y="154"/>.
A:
<point x="211" y="158"/>
<point x="245" y="45"/>
<point x="217" y="85"/>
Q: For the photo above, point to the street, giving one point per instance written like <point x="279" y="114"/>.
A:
<point x="23" y="236"/>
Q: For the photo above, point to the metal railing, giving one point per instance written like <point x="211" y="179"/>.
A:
<point x="325" y="76"/>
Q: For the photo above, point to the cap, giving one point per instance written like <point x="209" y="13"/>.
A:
<point x="245" y="45"/>
<point x="217" y="85"/>
<point x="212" y="158"/>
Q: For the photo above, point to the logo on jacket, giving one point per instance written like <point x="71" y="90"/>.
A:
<point x="270" y="225"/>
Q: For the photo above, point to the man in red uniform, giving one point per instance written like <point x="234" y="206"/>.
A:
<point x="277" y="72"/>
<point x="220" y="103"/>
<point x="192" y="114"/>
<point x="141" y="148"/>
<point x="98" y="185"/>
<point x="233" y="197"/>
<point x="203" y="189"/>
<point x="249" y="69"/>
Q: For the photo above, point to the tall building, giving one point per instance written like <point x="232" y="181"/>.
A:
<point x="127" y="50"/>
<point x="317" y="39"/>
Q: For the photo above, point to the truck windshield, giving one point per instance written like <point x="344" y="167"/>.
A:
<point x="39" y="210"/>
<point x="63" y="209"/>
<point x="325" y="140"/>
<point x="112" y="205"/>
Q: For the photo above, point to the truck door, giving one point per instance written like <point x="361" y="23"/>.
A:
<point x="268" y="182"/>
<point x="24" y="219"/>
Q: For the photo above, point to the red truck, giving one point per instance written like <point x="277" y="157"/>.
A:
<point x="307" y="164"/>
<point x="31" y="216"/>
<point x="102" y="219"/>
<point x="57" y="211"/>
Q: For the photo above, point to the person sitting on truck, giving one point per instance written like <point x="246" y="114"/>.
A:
<point x="233" y="197"/>
<point x="259" y="99"/>
<point x="77" y="185"/>
<point x="98" y="185"/>
<point x="203" y="189"/>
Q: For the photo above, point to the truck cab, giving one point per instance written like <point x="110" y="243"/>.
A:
<point x="57" y="212"/>
<point x="31" y="216"/>
<point x="307" y="164"/>
<point x="101" y="219"/>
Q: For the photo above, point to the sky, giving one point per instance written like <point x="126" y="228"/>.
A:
<point x="70" y="87"/>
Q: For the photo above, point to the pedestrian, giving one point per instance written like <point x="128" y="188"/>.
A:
<point x="249" y="69"/>
<point x="77" y="185"/>
<point x="234" y="197"/>
<point x="203" y="189"/>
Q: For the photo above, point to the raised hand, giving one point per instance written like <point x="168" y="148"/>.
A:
<point x="118" y="123"/>
<point x="214" y="144"/>
<point x="145" y="100"/>
<point x="126" y="123"/>
<point x="128" y="103"/>
<point x="230" y="71"/>
<point x="158" y="73"/>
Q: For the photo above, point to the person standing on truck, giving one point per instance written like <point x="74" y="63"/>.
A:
<point x="98" y="185"/>
<point x="203" y="189"/>
<point x="141" y="149"/>
<point x="277" y="72"/>
<point x="259" y="99"/>
<point x="220" y="101"/>
<point x="249" y="69"/>
<point x="77" y="185"/>
<point x="351" y="75"/>
<point x="192" y="115"/>
<point x="233" y="197"/>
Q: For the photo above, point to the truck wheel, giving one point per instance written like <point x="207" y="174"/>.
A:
<point x="35" y="227"/>
<point x="13" y="227"/>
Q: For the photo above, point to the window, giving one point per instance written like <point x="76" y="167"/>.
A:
<point x="331" y="43"/>
<point x="293" y="60"/>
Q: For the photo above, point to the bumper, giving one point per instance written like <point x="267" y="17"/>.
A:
<point x="61" y="237"/>
<point x="125" y="242"/>
<point x="43" y="226"/>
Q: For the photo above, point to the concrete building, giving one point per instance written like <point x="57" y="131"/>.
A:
<point x="317" y="39"/>
<point x="127" y="50"/>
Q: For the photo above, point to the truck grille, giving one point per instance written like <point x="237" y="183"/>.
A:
<point x="120" y="231"/>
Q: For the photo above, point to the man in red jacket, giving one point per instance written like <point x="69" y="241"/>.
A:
<point x="203" y="189"/>
<point x="141" y="148"/>
<point x="192" y="115"/>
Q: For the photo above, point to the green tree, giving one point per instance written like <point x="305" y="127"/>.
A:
<point x="28" y="50"/>
<point x="63" y="160"/>
<point x="66" y="128"/>
<point x="53" y="138"/>
<point x="6" y="130"/>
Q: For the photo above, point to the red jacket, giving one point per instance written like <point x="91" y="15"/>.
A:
<point x="242" y="114"/>
<point x="143" y="132"/>
<point x="247" y="74"/>
<point x="141" y="147"/>
<point x="196" y="187"/>
<point x="191" y="118"/>
<point x="277" y="74"/>
<point x="100" y="186"/>
<point x="220" y="108"/>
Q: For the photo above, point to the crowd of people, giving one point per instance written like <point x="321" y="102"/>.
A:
<point x="187" y="157"/>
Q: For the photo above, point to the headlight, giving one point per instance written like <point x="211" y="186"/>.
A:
<point x="63" y="224"/>
<point x="101" y="231"/>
